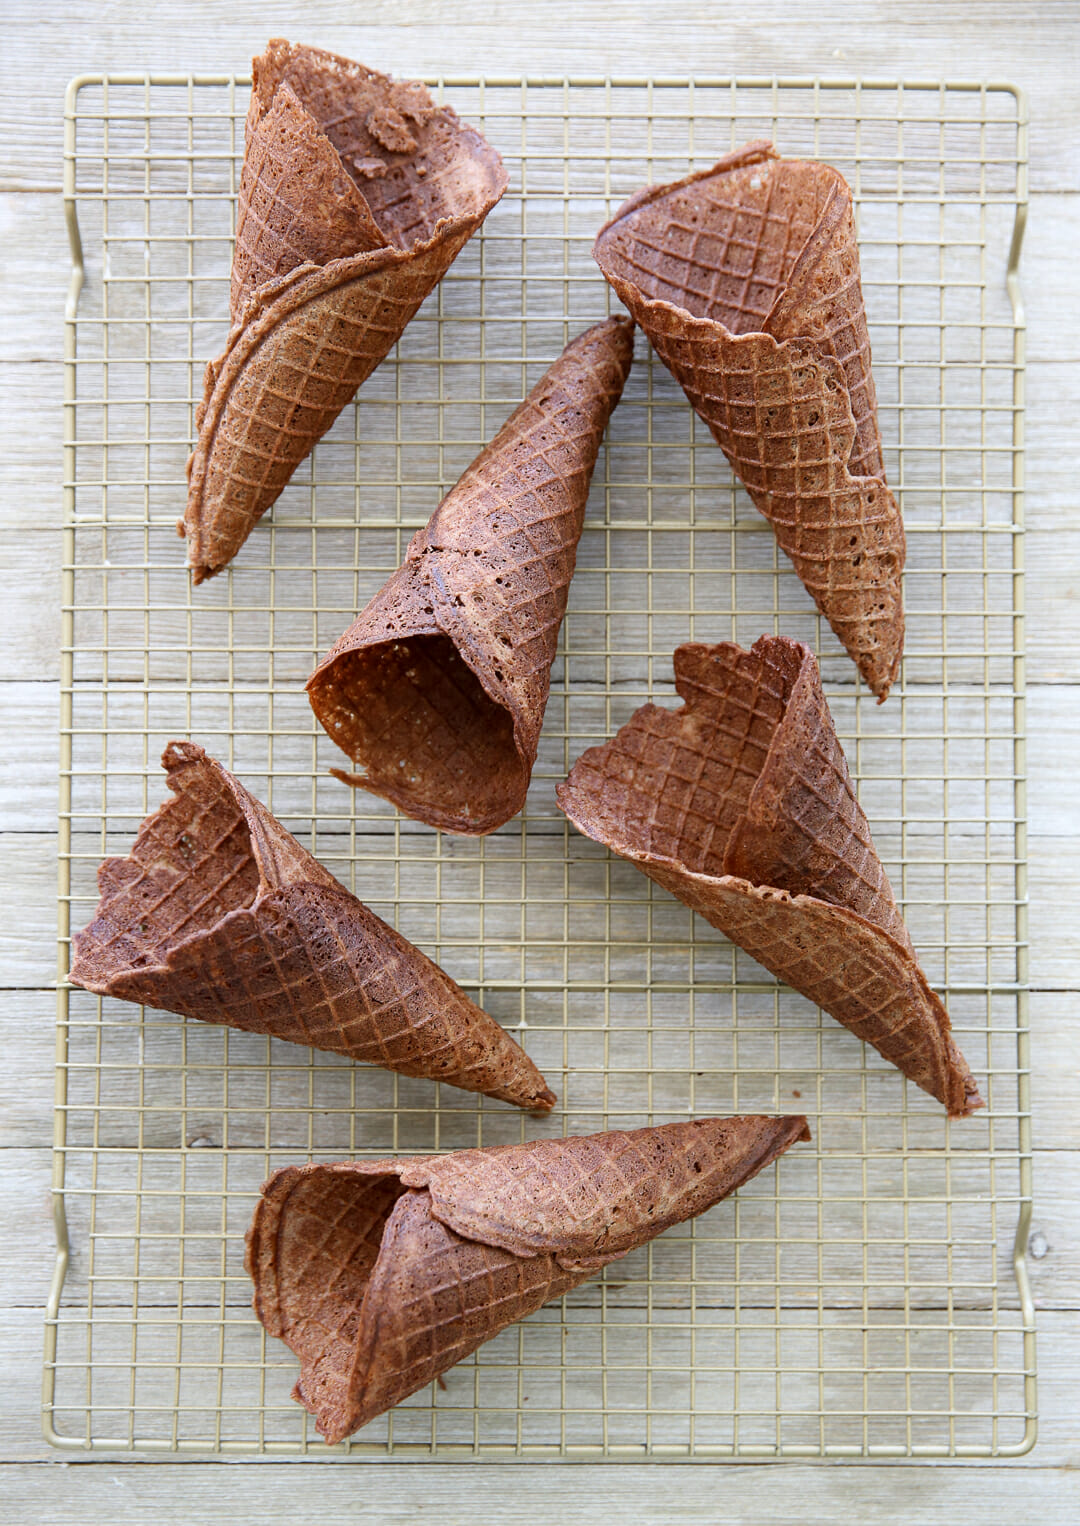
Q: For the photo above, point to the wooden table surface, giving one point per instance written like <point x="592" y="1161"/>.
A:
<point x="1037" y="48"/>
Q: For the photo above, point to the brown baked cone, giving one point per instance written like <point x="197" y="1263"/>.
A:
<point x="379" y="1275"/>
<point x="438" y="688"/>
<point x="218" y="913"/>
<point x="746" y="279"/>
<point x="356" y="195"/>
<point x="741" y="805"/>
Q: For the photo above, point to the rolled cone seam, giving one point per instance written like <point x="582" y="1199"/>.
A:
<point x="745" y="277"/>
<point x="380" y="1275"/>
<point x="285" y="153"/>
<point x="438" y="688"/>
<point x="356" y="195"/>
<point x="219" y="914"/>
<point x="741" y="804"/>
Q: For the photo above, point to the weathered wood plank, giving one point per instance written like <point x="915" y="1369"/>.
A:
<point x="30" y="758"/>
<point x="26" y="1088"/>
<point x="25" y="1271"/>
<point x="30" y="599"/>
<point x="1055" y="1065"/>
<point x="1052" y="589"/>
<point x="179" y="1495"/>
<point x="870" y="39"/>
<point x="1055" y="942"/>
<point x="106" y="1251"/>
<point x="27" y="1041"/>
<point x="34" y="263"/>
<point x="30" y="594"/>
<point x="31" y="433"/>
<point x="1053" y="714"/>
<point x="28" y="931"/>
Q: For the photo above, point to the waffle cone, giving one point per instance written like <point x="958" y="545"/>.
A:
<point x="356" y="195"/>
<point x="218" y="913"/>
<point x="741" y="805"/>
<point x="381" y="1275"/>
<point x="438" y="688"/>
<point x="746" y="279"/>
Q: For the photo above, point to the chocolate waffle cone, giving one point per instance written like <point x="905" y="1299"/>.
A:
<point x="438" y="688"/>
<point x="380" y="1275"/>
<point x="746" y="279"/>
<point x="741" y="805"/>
<point x="356" y="195"/>
<point x="218" y="913"/>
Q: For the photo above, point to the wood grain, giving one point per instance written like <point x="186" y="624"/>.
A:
<point x="865" y="37"/>
<point x="180" y="1495"/>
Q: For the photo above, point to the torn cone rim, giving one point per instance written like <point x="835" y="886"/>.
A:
<point x="176" y="758"/>
<point x="759" y="152"/>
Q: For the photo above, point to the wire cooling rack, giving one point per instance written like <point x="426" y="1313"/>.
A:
<point x="868" y="1296"/>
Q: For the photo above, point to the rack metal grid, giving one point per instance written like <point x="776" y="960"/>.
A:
<point x="869" y="1296"/>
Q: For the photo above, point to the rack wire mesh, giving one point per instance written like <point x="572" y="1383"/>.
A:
<point x="869" y="1296"/>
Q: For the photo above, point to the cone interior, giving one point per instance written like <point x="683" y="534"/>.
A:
<point x="377" y="124"/>
<point x="724" y="246"/>
<point x="754" y="249"/>
<point x="327" y="1245"/>
<point x="415" y="705"/>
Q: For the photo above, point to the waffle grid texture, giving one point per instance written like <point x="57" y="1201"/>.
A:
<point x="380" y="1275"/>
<point x="356" y="195"/>
<point x="741" y="805"/>
<point x="438" y="688"/>
<point x="745" y="278"/>
<point x="219" y="914"/>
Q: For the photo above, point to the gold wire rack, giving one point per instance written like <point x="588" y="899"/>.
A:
<point x="869" y="1298"/>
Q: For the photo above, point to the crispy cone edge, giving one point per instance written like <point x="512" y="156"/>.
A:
<point x="279" y="303"/>
<point x="746" y="912"/>
<point x="380" y="1275"/>
<point x="879" y="661"/>
<point x="431" y="596"/>
<point x="436" y="1031"/>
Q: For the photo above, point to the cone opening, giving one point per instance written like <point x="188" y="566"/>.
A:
<point x="749" y="780"/>
<point x="721" y="247"/>
<point x="192" y="864"/>
<point x="429" y="737"/>
<point x="326" y="1242"/>
<point x="414" y="163"/>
